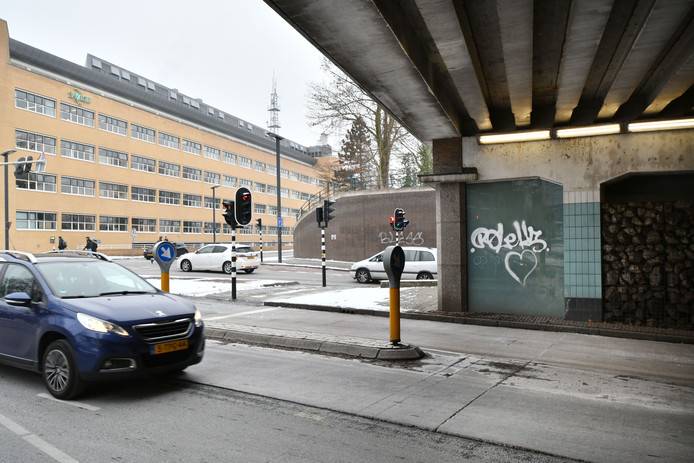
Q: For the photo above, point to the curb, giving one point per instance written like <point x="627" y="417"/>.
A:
<point x="597" y="331"/>
<point x="336" y="269"/>
<point x="365" y="351"/>
<point x="412" y="283"/>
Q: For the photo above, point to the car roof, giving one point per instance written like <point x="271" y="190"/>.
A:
<point x="51" y="256"/>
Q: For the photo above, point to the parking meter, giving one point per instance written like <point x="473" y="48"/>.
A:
<point x="164" y="253"/>
<point x="394" y="263"/>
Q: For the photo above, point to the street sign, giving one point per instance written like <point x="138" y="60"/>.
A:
<point x="279" y="221"/>
<point x="164" y="254"/>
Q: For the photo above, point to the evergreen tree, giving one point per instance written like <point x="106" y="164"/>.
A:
<point x="353" y="172"/>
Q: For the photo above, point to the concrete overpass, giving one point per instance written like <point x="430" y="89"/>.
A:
<point x="577" y="93"/>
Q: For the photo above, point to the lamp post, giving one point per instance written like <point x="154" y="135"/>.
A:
<point x="6" y="155"/>
<point x="214" y="213"/>
<point x="279" y="196"/>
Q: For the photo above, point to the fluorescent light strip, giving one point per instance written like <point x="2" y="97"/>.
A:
<point x="661" y="125"/>
<point x="588" y="131"/>
<point x="514" y="137"/>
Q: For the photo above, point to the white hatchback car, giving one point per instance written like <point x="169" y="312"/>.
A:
<point x="420" y="264"/>
<point x="218" y="257"/>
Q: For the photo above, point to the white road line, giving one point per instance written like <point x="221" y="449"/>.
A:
<point x="36" y="441"/>
<point x="73" y="403"/>
<point x="241" y="314"/>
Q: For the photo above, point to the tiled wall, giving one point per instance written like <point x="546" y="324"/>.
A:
<point x="582" y="269"/>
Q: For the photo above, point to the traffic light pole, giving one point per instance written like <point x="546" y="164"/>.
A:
<point x="233" y="263"/>
<point x="261" y="245"/>
<point x="322" y="253"/>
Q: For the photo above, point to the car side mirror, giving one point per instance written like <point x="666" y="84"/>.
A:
<point x="18" y="299"/>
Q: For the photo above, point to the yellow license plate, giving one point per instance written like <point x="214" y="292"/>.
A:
<point x="171" y="346"/>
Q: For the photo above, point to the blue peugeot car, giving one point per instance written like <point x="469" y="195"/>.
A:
<point x="77" y="317"/>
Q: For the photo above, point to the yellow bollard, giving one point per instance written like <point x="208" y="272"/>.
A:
<point x="165" y="281"/>
<point x="395" y="315"/>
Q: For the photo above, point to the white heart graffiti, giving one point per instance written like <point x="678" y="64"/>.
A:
<point x="524" y="237"/>
<point x="520" y="255"/>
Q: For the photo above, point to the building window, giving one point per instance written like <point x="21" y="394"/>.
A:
<point x="217" y="226"/>
<point x="192" y="200"/>
<point x="167" y="168"/>
<point x="210" y="204"/>
<point x="111" y="124"/>
<point x="70" y="149"/>
<point x="260" y="187"/>
<point x="113" y="158"/>
<point x="169" y="226"/>
<point x="77" y="186"/>
<point x="78" y="222"/>
<point x="168" y="140"/>
<point x="271" y="189"/>
<point x="147" y="195"/>
<point x="192" y="147"/>
<point x="142" y="163"/>
<point x="213" y="153"/>
<point x="31" y="220"/>
<point x="142" y="133"/>
<point x="109" y="223"/>
<point x="230" y="181"/>
<point x="113" y="190"/>
<point x="34" y="142"/>
<point x="284" y="192"/>
<point x="294" y="176"/>
<point x="260" y="166"/>
<point x="246" y="183"/>
<point x="212" y="177"/>
<point x="169" y="197"/>
<point x="259" y="208"/>
<point x="284" y="173"/>
<point x="245" y="162"/>
<point x="229" y="158"/>
<point x="272" y="210"/>
<point x="37" y="182"/>
<point x="144" y="225"/>
<point x="192" y="227"/>
<point x="191" y="173"/>
<point x="77" y="115"/>
<point x="34" y="103"/>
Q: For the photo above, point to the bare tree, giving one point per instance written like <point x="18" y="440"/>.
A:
<point x="337" y="102"/>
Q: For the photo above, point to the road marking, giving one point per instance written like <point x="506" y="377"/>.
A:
<point x="73" y="403"/>
<point x="241" y="314"/>
<point x="36" y="441"/>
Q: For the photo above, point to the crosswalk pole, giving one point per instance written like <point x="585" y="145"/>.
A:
<point x="322" y="252"/>
<point x="233" y="263"/>
<point x="261" y="245"/>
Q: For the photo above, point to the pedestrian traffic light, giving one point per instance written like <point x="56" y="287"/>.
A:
<point x="244" y="206"/>
<point x="319" y="216"/>
<point x="328" y="211"/>
<point x="259" y="223"/>
<point x="400" y="222"/>
<point x="391" y="221"/>
<point x="228" y="214"/>
<point x="23" y="166"/>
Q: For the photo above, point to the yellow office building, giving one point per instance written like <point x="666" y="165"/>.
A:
<point x="129" y="160"/>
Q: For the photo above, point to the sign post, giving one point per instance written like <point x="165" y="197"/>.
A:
<point x="394" y="263"/>
<point x="164" y="253"/>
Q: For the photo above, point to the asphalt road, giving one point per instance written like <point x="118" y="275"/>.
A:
<point x="176" y="419"/>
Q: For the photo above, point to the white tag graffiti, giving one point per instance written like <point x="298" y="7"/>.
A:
<point x="523" y="237"/>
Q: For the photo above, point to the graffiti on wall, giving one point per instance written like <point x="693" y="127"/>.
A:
<point x="521" y="245"/>
<point x="411" y="239"/>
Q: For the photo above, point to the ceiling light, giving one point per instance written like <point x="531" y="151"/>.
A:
<point x="661" y="125"/>
<point x="588" y="131"/>
<point x="514" y="137"/>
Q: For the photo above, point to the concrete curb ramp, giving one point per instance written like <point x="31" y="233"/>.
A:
<point x="331" y="345"/>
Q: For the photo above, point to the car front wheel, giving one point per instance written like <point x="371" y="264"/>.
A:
<point x="59" y="371"/>
<point x="363" y="275"/>
<point x="226" y="268"/>
<point x="186" y="265"/>
<point x="249" y="270"/>
<point x="425" y="276"/>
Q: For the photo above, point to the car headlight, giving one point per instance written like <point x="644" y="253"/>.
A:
<point x="198" y="317"/>
<point x="100" y="326"/>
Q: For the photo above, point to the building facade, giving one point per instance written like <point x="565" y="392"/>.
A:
<point x="130" y="160"/>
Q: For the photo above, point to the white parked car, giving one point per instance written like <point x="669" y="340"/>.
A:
<point x="218" y="257"/>
<point x="420" y="264"/>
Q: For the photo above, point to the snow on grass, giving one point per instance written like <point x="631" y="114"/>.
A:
<point x="206" y="287"/>
<point x="355" y="298"/>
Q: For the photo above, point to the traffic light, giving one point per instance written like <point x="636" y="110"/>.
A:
<point x="23" y="166"/>
<point x="259" y="223"/>
<point x="319" y="216"/>
<point x="328" y="211"/>
<point x="391" y="221"/>
<point x="244" y="206"/>
<point x="228" y="214"/>
<point x="400" y="222"/>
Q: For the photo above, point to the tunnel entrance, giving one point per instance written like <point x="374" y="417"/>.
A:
<point x="648" y="249"/>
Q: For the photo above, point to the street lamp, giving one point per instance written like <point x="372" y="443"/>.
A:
<point x="279" y="195"/>
<point x="6" y="155"/>
<point x="214" y="213"/>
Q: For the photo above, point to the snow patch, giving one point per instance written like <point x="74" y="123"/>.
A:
<point x="355" y="298"/>
<point x="205" y="287"/>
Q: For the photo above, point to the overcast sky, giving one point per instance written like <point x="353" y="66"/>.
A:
<point x="223" y="51"/>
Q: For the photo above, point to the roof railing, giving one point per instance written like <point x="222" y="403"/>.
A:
<point x="97" y="255"/>
<point x="20" y="255"/>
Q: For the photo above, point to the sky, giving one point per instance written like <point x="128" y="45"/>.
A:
<point x="223" y="51"/>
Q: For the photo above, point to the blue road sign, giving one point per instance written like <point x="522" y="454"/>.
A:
<point x="166" y="252"/>
<point x="279" y="221"/>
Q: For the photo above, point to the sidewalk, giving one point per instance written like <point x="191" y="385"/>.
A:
<point x="588" y="397"/>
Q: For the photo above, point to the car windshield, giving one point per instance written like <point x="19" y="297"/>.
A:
<point x="80" y="278"/>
